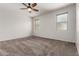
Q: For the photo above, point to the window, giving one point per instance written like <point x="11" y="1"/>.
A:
<point x="62" y="21"/>
<point x="36" y="24"/>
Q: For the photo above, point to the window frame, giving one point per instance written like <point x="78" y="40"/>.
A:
<point x="61" y="22"/>
<point x="36" y="25"/>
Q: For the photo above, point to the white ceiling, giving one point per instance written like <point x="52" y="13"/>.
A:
<point x="43" y="8"/>
<point x="46" y="7"/>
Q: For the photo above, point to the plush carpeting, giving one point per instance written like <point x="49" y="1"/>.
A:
<point x="37" y="46"/>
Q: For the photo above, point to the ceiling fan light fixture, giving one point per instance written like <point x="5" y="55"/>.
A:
<point x="29" y="9"/>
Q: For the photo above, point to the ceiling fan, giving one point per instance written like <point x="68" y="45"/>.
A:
<point x="30" y="7"/>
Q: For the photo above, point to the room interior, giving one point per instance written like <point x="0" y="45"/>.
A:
<point x="46" y="29"/>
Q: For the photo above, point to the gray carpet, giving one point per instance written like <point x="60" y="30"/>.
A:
<point x="37" y="46"/>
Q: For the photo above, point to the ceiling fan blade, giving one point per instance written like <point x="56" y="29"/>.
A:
<point x="24" y="4"/>
<point x="23" y="8"/>
<point x="34" y="4"/>
<point x="35" y="9"/>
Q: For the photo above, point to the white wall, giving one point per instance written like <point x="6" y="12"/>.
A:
<point x="77" y="26"/>
<point x="13" y="24"/>
<point x="48" y="25"/>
